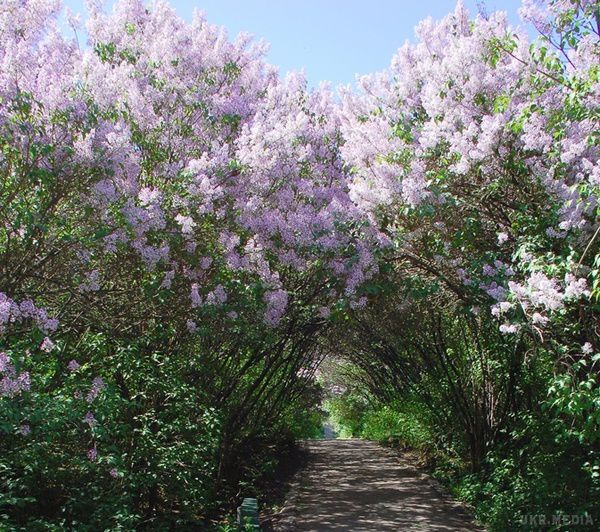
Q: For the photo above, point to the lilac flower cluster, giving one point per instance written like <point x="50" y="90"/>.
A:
<point x="443" y="120"/>
<point x="89" y="419"/>
<point x="91" y="283"/>
<point x="11" y="383"/>
<point x="12" y="312"/>
<point x="97" y="386"/>
<point x="265" y="176"/>
<point x="47" y="345"/>
<point x="276" y="301"/>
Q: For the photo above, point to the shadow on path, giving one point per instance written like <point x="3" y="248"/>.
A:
<point x="361" y="486"/>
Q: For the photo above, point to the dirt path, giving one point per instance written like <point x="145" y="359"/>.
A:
<point x="361" y="486"/>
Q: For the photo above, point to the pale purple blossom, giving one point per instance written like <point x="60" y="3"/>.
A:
<point x="24" y="382"/>
<point x="195" y="296"/>
<point x="89" y="419"/>
<point x="539" y="319"/>
<point x="544" y="291"/>
<point x="97" y="386"/>
<point x="218" y="296"/>
<point x="509" y="328"/>
<point x="91" y="283"/>
<point x="5" y="363"/>
<point x="105" y="190"/>
<point x="11" y="383"/>
<point x="48" y="324"/>
<point x="536" y="13"/>
<point x="12" y="312"/>
<point x="167" y="279"/>
<point x="47" y="345"/>
<point x="489" y="270"/>
<point x="149" y="196"/>
<point x="276" y="301"/>
<point x="575" y="288"/>
<point x="324" y="312"/>
<point x="186" y="222"/>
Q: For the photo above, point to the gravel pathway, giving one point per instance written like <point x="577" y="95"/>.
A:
<point x="361" y="486"/>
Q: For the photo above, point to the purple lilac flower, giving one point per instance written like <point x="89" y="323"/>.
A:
<point x="5" y="363"/>
<point x="47" y="345"/>
<point x="276" y="301"/>
<point x="97" y="387"/>
<point x="205" y="263"/>
<point x="23" y="382"/>
<point x="324" y="312"/>
<point x="12" y="384"/>
<point x="90" y="419"/>
<point x="195" y="296"/>
<point x="217" y="297"/>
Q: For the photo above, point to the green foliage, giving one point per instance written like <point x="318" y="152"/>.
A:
<point x="536" y="471"/>
<point x="152" y="431"/>
<point x="347" y="414"/>
<point x="402" y="425"/>
<point x="307" y="424"/>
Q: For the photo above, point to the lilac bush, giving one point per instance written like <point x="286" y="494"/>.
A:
<point x="184" y="257"/>
<point x="474" y="123"/>
<point x="476" y="153"/>
<point x="181" y="228"/>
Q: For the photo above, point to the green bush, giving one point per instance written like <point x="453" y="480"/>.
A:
<point x="347" y="413"/>
<point x="402" y="426"/>
<point x="536" y="472"/>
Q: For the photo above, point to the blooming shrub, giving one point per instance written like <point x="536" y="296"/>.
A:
<point x="476" y="153"/>
<point x="181" y="230"/>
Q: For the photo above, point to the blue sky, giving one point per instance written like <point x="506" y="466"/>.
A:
<point x="330" y="39"/>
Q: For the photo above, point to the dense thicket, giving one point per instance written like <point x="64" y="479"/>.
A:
<point x="476" y="153"/>
<point x="183" y="233"/>
<point x="173" y="219"/>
